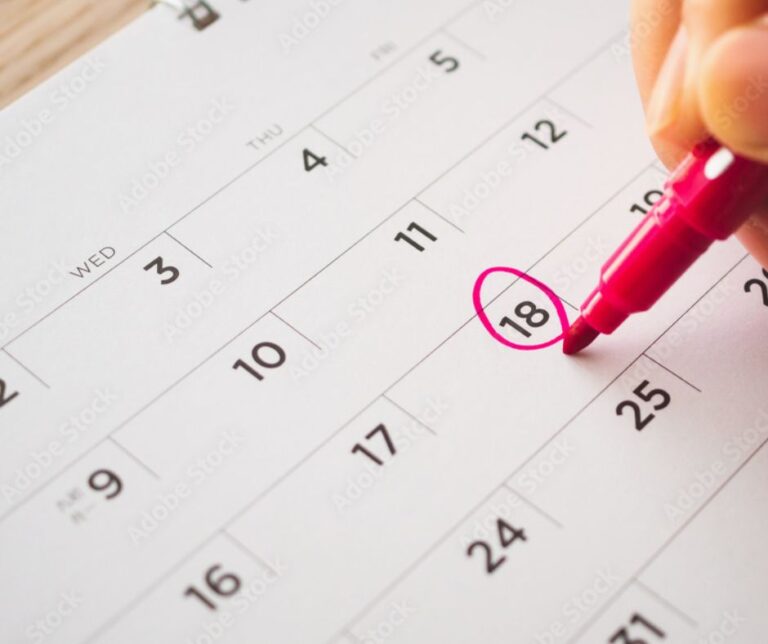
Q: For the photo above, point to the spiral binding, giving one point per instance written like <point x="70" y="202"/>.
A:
<point x="200" y="12"/>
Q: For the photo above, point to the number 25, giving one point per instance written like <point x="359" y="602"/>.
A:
<point x="641" y="422"/>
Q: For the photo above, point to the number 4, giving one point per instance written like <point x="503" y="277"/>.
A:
<point x="311" y="160"/>
<point x="507" y="536"/>
<point x="6" y="398"/>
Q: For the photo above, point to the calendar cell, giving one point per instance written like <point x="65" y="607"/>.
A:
<point x="414" y="111"/>
<point x="186" y="422"/>
<point x="214" y="595"/>
<point x="125" y="317"/>
<point x="382" y="468"/>
<point x="87" y="512"/>
<point x="693" y="566"/>
<point x="366" y="298"/>
<point x="472" y="371"/>
<point x="585" y="94"/>
<point x="535" y="43"/>
<point x="484" y="567"/>
<point x="634" y="431"/>
<point x="734" y="300"/>
<point x="522" y="173"/>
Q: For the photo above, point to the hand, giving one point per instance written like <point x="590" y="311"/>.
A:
<point x="702" y="68"/>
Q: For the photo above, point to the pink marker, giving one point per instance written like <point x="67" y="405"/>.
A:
<point x="709" y="197"/>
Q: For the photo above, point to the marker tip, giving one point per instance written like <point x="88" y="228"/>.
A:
<point x="578" y="337"/>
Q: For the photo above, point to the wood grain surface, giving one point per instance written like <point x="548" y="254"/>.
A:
<point x="38" y="37"/>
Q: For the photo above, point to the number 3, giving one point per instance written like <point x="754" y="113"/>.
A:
<point x="161" y="269"/>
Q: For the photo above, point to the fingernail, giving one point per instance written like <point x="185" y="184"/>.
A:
<point x="664" y="104"/>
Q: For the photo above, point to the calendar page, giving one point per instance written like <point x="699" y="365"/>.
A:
<point x="280" y="319"/>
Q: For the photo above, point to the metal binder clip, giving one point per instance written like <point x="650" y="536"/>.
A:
<point x="201" y="13"/>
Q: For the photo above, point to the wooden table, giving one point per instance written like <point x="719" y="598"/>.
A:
<point x="38" y="37"/>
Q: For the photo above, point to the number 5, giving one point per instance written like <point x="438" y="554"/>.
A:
<point x="450" y="63"/>
<point x="648" y="396"/>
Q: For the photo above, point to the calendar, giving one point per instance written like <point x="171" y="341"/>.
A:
<point x="284" y="288"/>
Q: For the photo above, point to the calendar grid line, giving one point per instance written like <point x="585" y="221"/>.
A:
<point x="528" y="270"/>
<point x="164" y="392"/>
<point x="187" y="248"/>
<point x="79" y="291"/>
<point x="446" y="32"/>
<point x="543" y="446"/>
<point x="407" y="52"/>
<point x="532" y="505"/>
<point x="659" y="597"/>
<point x="248" y="169"/>
<point x="416" y="563"/>
<point x="26" y="368"/>
<point x="437" y="214"/>
<point x="507" y="123"/>
<point x="671" y="325"/>
<point x="246" y="550"/>
<point x="329" y="138"/>
<point x="204" y="540"/>
<point x="670" y="540"/>
<point x="570" y="113"/>
<point x="299" y="131"/>
<point x="350" y="636"/>
<point x="140" y="597"/>
<point x="340" y="255"/>
<point x="313" y="452"/>
<point x="676" y="375"/>
<point x="133" y="457"/>
<point x="409" y="414"/>
<point x="295" y="330"/>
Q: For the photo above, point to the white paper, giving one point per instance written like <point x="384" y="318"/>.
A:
<point x="306" y="434"/>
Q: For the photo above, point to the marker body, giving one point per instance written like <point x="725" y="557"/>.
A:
<point x="707" y="199"/>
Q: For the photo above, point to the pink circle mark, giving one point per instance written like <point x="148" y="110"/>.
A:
<point x="476" y="300"/>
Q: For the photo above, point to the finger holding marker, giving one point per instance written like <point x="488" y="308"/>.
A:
<point x="703" y="77"/>
<point x="702" y="68"/>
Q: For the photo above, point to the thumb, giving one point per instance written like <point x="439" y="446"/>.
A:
<point x="733" y="89"/>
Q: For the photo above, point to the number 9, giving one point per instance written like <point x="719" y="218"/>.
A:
<point x="106" y="481"/>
